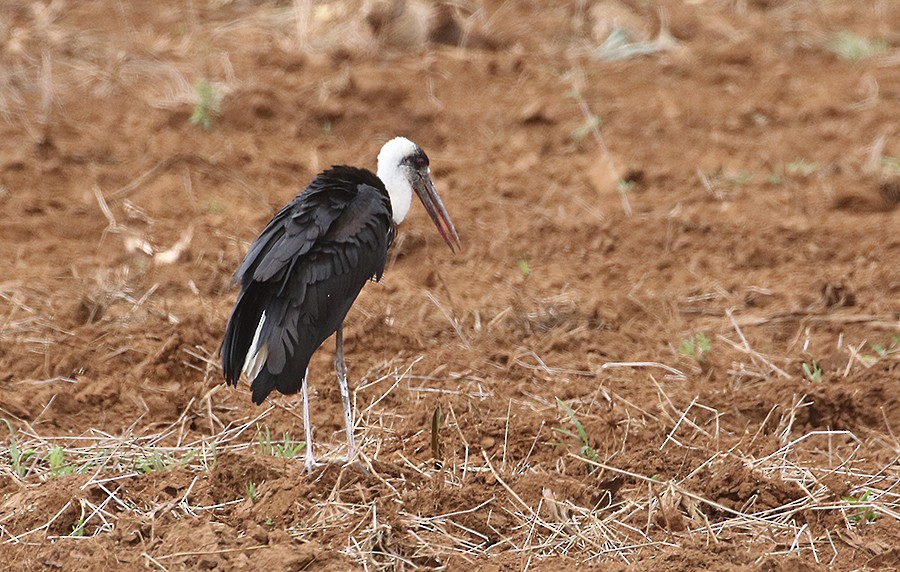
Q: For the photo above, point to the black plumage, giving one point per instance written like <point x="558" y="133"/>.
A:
<point x="304" y="271"/>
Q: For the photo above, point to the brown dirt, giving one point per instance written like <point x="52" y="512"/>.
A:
<point x="758" y="211"/>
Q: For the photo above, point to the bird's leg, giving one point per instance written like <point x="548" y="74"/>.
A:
<point x="341" y="369"/>
<point x="307" y="426"/>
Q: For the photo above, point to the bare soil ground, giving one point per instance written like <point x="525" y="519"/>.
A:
<point x="692" y="252"/>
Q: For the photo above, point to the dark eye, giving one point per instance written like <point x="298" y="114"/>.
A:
<point x="421" y="162"/>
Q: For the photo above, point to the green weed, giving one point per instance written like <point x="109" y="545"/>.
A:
<point x="154" y="462"/>
<point x="17" y="456"/>
<point x="57" y="462"/>
<point x="624" y="186"/>
<point x="775" y="178"/>
<point x="853" y="47"/>
<point x="801" y="167"/>
<point x="160" y="462"/>
<point x="287" y="448"/>
<point x="209" y="103"/>
<point x="251" y="492"/>
<point x="863" y="513"/>
<point x="892" y="164"/>
<point x="524" y="267"/>
<point x="591" y="123"/>
<point x="585" y="451"/>
<point x="813" y="372"/>
<point x="696" y="347"/>
<point x="881" y="350"/>
<point x="215" y="206"/>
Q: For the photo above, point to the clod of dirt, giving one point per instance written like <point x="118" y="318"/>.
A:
<point x="401" y="23"/>
<point x="534" y="113"/>
<point x="733" y="484"/>
<point x="837" y="296"/>
<point x="890" y="191"/>
<point x="634" y="176"/>
<point x="88" y="311"/>
<point x="878" y="196"/>
<point x="247" y="110"/>
<point x="445" y="29"/>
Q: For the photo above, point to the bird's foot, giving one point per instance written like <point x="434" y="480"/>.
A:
<point x="310" y="464"/>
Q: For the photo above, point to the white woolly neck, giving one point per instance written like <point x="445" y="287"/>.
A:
<point x="396" y="176"/>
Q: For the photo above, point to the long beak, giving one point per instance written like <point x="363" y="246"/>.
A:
<point x="432" y="202"/>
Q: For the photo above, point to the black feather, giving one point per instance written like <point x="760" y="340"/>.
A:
<point x="304" y="271"/>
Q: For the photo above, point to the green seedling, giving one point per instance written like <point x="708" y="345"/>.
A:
<point x="881" y="350"/>
<point x="801" y="167"/>
<point x="775" y="178"/>
<point x="863" y="513"/>
<point x="209" y="103"/>
<point x="585" y="451"/>
<point x="159" y="462"/>
<point x="891" y="164"/>
<point x="696" y="347"/>
<point x="591" y="123"/>
<point x="215" y="206"/>
<point x="853" y="47"/>
<point x="812" y="372"/>
<point x="17" y="456"/>
<point x="624" y="186"/>
<point x="285" y="449"/>
<point x="78" y="528"/>
<point x="250" y="491"/>
<point x="213" y="457"/>
<point x="57" y="461"/>
<point x="524" y="267"/>
<point x="740" y="179"/>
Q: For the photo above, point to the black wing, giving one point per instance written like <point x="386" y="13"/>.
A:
<point x="303" y="273"/>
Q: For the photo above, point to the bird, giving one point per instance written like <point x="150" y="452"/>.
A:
<point x="303" y="272"/>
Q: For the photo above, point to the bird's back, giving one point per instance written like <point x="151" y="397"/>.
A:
<point x="302" y="274"/>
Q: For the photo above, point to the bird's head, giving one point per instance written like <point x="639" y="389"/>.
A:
<point x="403" y="168"/>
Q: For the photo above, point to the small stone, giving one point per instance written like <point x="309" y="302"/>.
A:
<point x="260" y="535"/>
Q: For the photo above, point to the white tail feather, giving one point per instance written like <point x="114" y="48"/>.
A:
<point x="256" y="356"/>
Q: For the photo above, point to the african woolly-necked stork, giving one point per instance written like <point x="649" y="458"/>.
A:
<point x="306" y="268"/>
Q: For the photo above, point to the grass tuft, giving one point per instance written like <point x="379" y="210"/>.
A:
<point x="864" y="511"/>
<point x="696" y="347"/>
<point x="585" y="450"/>
<point x="524" y="267"/>
<point x="287" y="448"/>
<point x="251" y="491"/>
<point x="78" y="528"/>
<point x="813" y="372"/>
<point x="208" y="105"/>
<point x="17" y="456"/>
<point x="853" y="47"/>
<point x="57" y="461"/>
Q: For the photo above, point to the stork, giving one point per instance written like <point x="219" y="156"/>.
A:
<point x="308" y="265"/>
